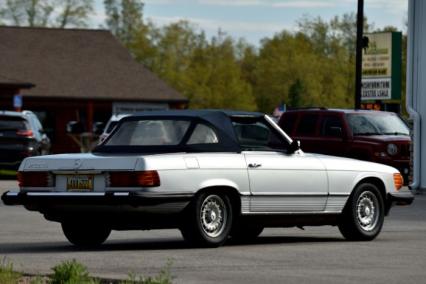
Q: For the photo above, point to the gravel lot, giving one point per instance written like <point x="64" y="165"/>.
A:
<point x="315" y="255"/>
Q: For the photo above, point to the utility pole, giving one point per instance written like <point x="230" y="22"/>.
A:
<point x="358" y="59"/>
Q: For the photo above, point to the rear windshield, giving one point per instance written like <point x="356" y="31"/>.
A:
<point x="377" y="124"/>
<point x="111" y="126"/>
<point x="149" y="133"/>
<point x="12" y="123"/>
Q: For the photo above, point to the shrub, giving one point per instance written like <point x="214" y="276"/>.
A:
<point x="7" y="275"/>
<point x="71" y="272"/>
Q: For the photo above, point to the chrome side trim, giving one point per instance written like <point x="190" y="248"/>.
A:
<point x="121" y="193"/>
<point x="336" y="203"/>
<point x="287" y="203"/>
<point x="294" y="213"/>
<point x="245" y="204"/>
<point x="293" y="203"/>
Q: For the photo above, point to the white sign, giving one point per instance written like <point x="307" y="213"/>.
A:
<point x="377" y="67"/>
<point x="376" y="89"/>
<point x="377" y="58"/>
<point x="118" y="108"/>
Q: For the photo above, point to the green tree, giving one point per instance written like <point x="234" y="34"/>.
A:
<point x="74" y="13"/>
<point x="282" y="61"/>
<point x="216" y="78"/>
<point x="306" y="68"/>
<point x="46" y="13"/>
<point x="206" y="72"/>
<point x="124" y="18"/>
<point x="295" y="93"/>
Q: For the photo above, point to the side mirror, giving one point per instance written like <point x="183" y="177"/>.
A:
<point x="294" y="146"/>
<point x="75" y="127"/>
<point x="98" y="127"/>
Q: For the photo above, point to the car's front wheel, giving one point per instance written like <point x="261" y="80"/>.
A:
<point x="208" y="220"/>
<point x="85" y="234"/>
<point x="363" y="217"/>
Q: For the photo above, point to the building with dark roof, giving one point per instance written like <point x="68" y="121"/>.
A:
<point x="74" y="74"/>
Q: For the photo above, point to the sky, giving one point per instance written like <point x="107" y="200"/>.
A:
<point x="257" y="19"/>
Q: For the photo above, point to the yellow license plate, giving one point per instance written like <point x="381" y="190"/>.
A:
<point x="80" y="183"/>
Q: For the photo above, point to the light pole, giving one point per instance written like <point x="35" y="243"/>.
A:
<point x="358" y="59"/>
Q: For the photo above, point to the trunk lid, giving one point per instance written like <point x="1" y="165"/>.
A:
<point x="79" y="162"/>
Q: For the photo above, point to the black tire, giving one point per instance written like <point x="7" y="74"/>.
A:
<point x="208" y="220"/>
<point x="85" y="235"/>
<point x="243" y="233"/>
<point x="363" y="216"/>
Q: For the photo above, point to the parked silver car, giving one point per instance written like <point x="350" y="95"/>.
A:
<point x="211" y="174"/>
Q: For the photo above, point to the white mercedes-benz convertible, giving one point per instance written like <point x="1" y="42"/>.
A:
<point x="212" y="174"/>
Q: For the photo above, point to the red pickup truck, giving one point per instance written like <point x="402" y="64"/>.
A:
<point x="376" y="136"/>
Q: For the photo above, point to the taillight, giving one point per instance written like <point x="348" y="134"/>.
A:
<point x="398" y="180"/>
<point x="134" y="179"/>
<point x="25" y="133"/>
<point x="35" y="179"/>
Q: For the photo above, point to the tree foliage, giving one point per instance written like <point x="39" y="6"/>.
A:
<point x="313" y="66"/>
<point x="124" y="18"/>
<point x="46" y="13"/>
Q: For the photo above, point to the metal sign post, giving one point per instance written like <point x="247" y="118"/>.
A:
<point x="358" y="60"/>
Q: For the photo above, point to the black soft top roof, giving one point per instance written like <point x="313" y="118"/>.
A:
<point x="205" y="113"/>
<point x="220" y="120"/>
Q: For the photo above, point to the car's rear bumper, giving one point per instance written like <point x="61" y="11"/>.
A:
<point x="44" y="201"/>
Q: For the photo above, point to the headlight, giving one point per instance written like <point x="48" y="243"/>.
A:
<point x="392" y="149"/>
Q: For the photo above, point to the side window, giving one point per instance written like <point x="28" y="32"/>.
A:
<point x="258" y="136"/>
<point x="331" y="126"/>
<point x="307" y="125"/>
<point x="203" y="134"/>
<point x="287" y="122"/>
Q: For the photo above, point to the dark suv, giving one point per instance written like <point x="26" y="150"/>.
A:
<point x="21" y="136"/>
<point x="375" y="136"/>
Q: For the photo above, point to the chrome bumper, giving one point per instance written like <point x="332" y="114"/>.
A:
<point x="40" y="199"/>
<point x="401" y="198"/>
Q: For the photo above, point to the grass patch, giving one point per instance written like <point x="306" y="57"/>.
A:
<point x="71" y="272"/>
<point x="164" y="277"/>
<point x="7" y="274"/>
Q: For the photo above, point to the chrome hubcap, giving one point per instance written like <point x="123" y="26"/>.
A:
<point x="367" y="211"/>
<point x="213" y="216"/>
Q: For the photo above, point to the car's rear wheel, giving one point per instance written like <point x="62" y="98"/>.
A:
<point x="85" y="234"/>
<point x="363" y="217"/>
<point x="208" y="220"/>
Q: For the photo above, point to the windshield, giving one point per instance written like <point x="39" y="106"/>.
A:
<point x="377" y="124"/>
<point x="149" y="133"/>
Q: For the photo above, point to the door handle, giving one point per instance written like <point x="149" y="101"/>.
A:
<point x="254" y="165"/>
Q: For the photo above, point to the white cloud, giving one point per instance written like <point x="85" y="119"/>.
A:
<point x="162" y="2"/>
<point x="97" y="20"/>
<point x="272" y="3"/>
<point x="391" y="6"/>
<point x="228" y="26"/>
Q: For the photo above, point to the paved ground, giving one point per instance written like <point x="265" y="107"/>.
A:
<point x="316" y="255"/>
